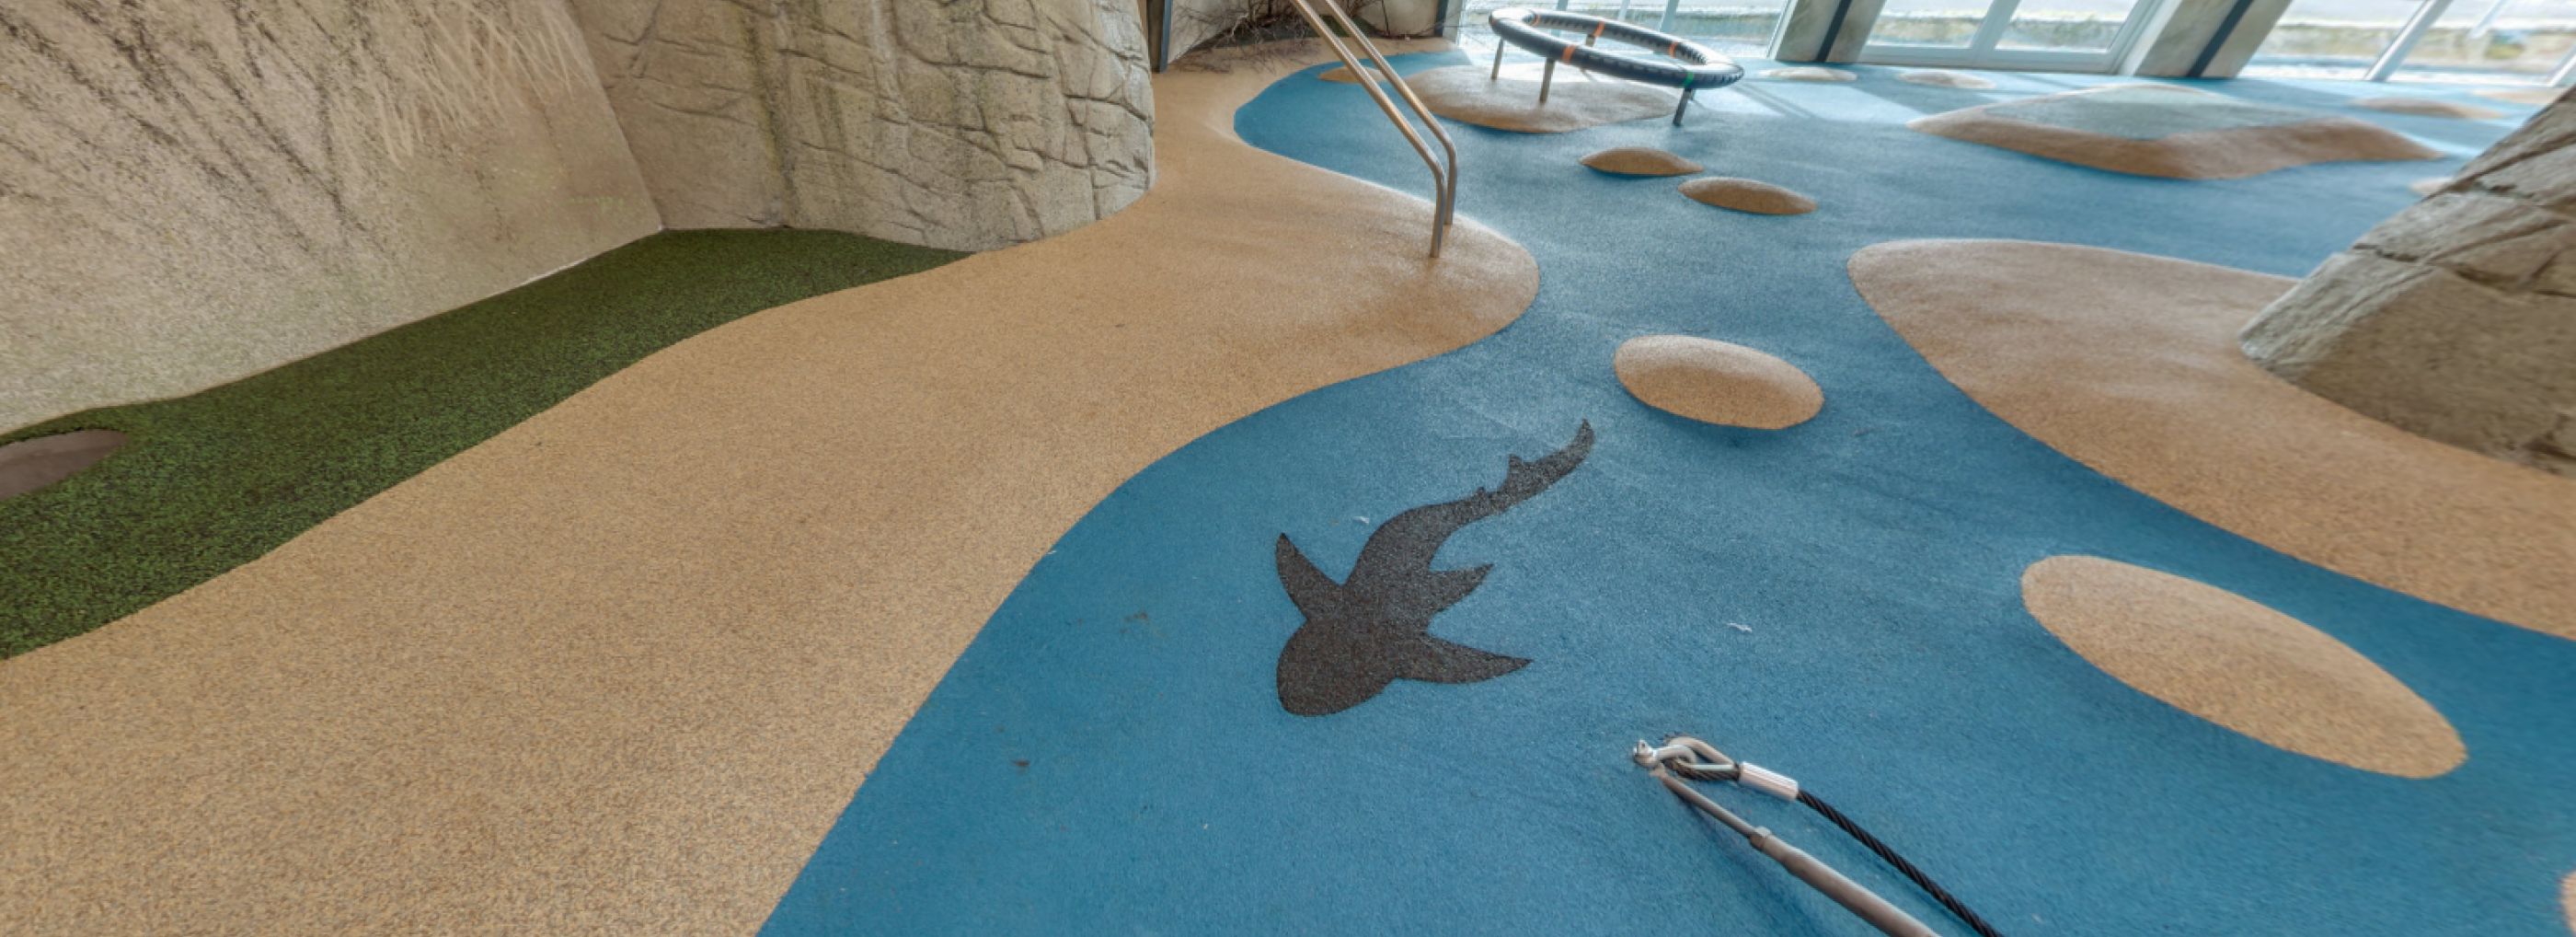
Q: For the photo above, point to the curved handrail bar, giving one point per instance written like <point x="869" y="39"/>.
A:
<point x="1444" y="173"/>
<point x="1447" y="209"/>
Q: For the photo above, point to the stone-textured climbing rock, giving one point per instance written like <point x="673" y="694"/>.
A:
<point x="191" y="192"/>
<point x="2455" y="319"/>
<point x="959" y="125"/>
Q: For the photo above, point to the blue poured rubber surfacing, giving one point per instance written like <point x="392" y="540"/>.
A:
<point x="1109" y="755"/>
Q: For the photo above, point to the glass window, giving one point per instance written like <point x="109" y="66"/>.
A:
<point x="1740" y="27"/>
<point x="2518" y="41"/>
<point x="2066" y="25"/>
<point x="1928" y="24"/>
<point x="2330" y="38"/>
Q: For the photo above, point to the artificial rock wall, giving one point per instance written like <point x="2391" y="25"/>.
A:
<point x="968" y="125"/>
<point x="2455" y="319"/>
<point x="1194" y="22"/>
<point x="194" y="191"/>
<point x="191" y="192"/>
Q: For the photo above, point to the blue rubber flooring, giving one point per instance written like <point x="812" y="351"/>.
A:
<point x="1838" y="601"/>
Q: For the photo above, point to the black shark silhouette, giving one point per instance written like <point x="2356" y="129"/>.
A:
<point x="1364" y="633"/>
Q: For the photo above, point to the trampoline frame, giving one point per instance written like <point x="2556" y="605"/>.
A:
<point x="1694" y="67"/>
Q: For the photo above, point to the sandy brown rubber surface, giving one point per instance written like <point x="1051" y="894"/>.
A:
<point x="2224" y="658"/>
<point x="1341" y="74"/>
<point x="2129" y="364"/>
<point x="1747" y="195"/>
<point x="2428" y="107"/>
<point x="1946" y="79"/>
<point x="2567" y="899"/>
<point x="1640" y="161"/>
<point x="2232" y="153"/>
<point x="1809" y="73"/>
<point x="617" y="670"/>
<point x="2523" y="95"/>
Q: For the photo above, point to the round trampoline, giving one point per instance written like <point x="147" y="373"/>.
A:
<point x="1693" y="67"/>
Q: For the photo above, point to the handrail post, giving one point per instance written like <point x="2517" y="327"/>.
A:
<point x="1444" y="170"/>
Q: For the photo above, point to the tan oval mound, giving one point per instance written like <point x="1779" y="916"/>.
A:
<point x="1809" y="73"/>
<point x="1640" y="161"/>
<point x="1941" y="79"/>
<point x="1747" y="195"/>
<point x="2429" y="107"/>
<point x="2523" y="95"/>
<point x="2171" y="132"/>
<point x="29" y="464"/>
<point x="2223" y="657"/>
<point x="2428" y="186"/>
<point x="1715" y="382"/>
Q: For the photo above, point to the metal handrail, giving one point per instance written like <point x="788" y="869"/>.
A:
<point x="1444" y="174"/>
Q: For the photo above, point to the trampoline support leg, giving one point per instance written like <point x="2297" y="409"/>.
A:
<point x="1498" y="62"/>
<point x="1678" y="109"/>
<point x="1545" y="76"/>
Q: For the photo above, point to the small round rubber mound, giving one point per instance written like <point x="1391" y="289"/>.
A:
<point x="2429" y="107"/>
<point x="1809" y="73"/>
<point x="2220" y="656"/>
<point x="1941" y="79"/>
<point x="1747" y="195"/>
<point x="1716" y="382"/>
<point x="1464" y="93"/>
<point x="29" y="464"/>
<point x="1640" y="161"/>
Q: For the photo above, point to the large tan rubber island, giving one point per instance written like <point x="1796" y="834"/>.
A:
<point x="2171" y="132"/>
<point x="617" y="669"/>
<point x="2129" y="364"/>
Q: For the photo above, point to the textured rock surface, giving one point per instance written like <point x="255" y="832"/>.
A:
<point x="192" y="192"/>
<point x="2456" y="318"/>
<point x="1747" y="195"/>
<point x="1194" y="22"/>
<point x="958" y="125"/>
<point x="1640" y="161"/>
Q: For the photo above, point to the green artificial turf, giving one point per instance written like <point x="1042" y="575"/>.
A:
<point x="212" y="480"/>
